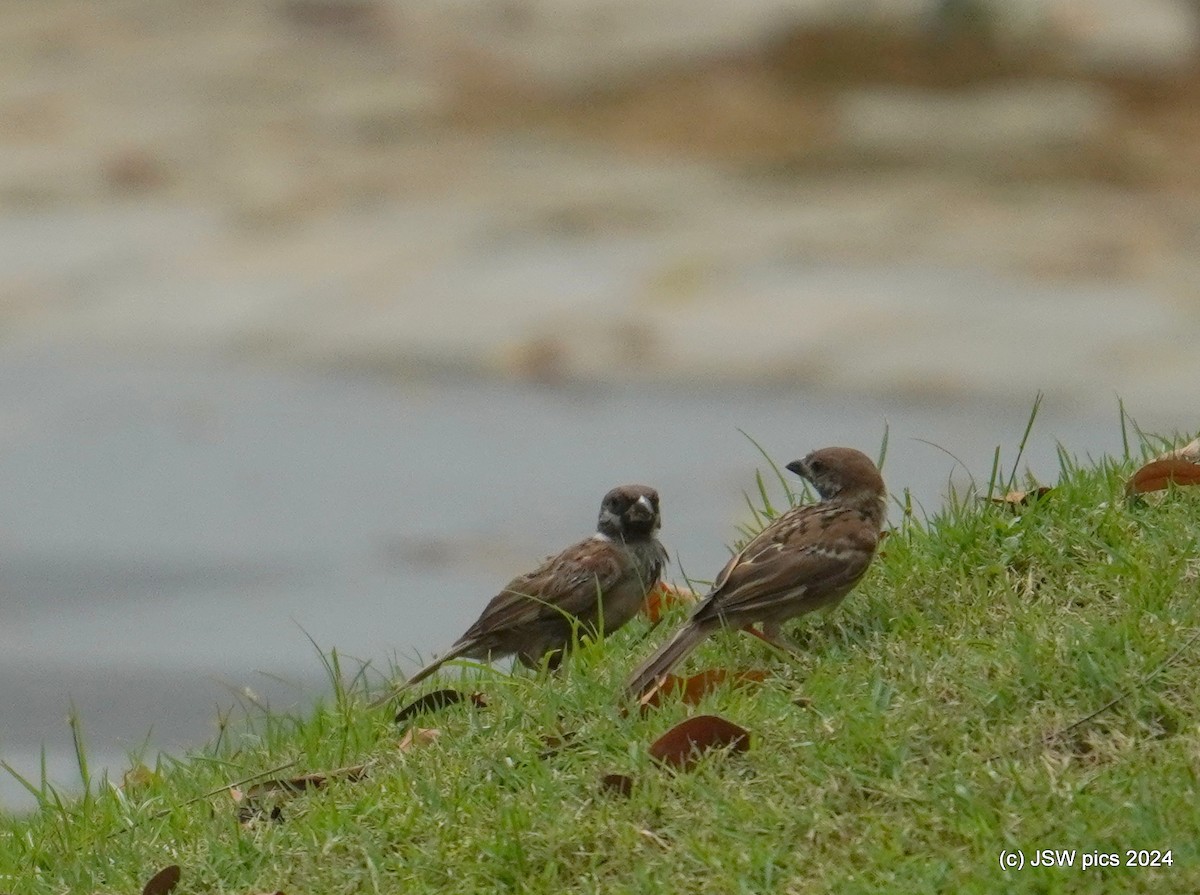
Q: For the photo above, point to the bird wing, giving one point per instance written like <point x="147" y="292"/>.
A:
<point x="811" y="550"/>
<point x="567" y="582"/>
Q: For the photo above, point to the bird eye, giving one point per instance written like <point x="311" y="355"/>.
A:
<point x="816" y="465"/>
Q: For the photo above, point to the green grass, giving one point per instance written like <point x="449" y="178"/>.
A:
<point x="902" y="754"/>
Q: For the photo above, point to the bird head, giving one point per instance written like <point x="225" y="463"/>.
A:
<point x="629" y="512"/>
<point x="840" y="473"/>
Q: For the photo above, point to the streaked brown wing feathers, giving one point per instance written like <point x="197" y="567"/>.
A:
<point x="813" y="550"/>
<point x="568" y="582"/>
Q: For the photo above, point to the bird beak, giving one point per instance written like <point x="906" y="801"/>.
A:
<point x="799" y="467"/>
<point x="642" y="511"/>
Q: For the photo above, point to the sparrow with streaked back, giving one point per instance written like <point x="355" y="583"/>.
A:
<point x="597" y="584"/>
<point x="808" y="558"/>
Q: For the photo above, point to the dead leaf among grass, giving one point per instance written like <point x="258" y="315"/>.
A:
<point x="665" y="597"/>
<point x="253" y="802"/>
<point x="1022" y="498"/>
<point x="418" y="736"/>
<point x="692" y="689"/>
<point x="1158" y="475"/>
<point x="617" y="784"/>
<point x="684" y="744"/>
<point x="438" y="700"/>
<point x="293" y="785"/>
<point x="163" y="881"/>
<point x="1189" y="452"/>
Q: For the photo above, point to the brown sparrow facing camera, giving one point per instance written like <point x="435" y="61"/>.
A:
<point x="597" y="584"/>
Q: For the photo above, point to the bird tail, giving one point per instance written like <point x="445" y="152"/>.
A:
<point x="459" y="649"/>
<point x="653" y="670"/>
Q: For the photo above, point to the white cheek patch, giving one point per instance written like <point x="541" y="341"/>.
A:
<point x="610" y="520"/>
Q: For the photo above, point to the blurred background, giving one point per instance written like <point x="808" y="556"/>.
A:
<point x="322" y="318"/>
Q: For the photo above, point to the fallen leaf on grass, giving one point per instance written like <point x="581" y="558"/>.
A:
<point x="664" y="598"/>
<point x="1022" y="498"/>
<point x="437" y="700"/>
<point x="163" y="881"/>
<point x="418" y="736"/>
<point x="682" y="745"/>
<point x="696" y="687"/>
<point x="617" y="784"/>
<point x="251" y="805"/>
<point x="294" y="785"/>
<point x="1157" y="475"/>
<point x="1189" y="452"/>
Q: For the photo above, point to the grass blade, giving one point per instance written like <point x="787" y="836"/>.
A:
<point x="1037" y="403"/>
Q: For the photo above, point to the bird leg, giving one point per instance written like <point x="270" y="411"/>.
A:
<point x="772" y="633"/>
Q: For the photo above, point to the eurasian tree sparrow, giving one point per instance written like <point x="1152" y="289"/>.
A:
<point x="808" y="558"/>
<point x="598" y="584"/>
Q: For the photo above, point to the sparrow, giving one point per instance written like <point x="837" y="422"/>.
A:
<point x="808" y="558"/>
<point x="598" y="583"/>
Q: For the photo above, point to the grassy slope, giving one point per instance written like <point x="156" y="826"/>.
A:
<point x="973" y="635"/>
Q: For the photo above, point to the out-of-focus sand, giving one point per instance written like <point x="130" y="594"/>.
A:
<point x="359" y="184"/>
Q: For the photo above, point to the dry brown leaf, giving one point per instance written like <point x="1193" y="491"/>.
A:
<point x="437" y="700"/>
<point x="682" y="745"/>
<point x="1189" y="452"/>
<point x="251" y="805"/>
<point x="1022" y="498"/>
<point x="163" y="881"/>
<point x="664" y="598"/>
<point x="418" y="736"/>
<point x="293" y="785"/>
<point x="1157" y="475"/>
<point x="696" y="687"/>
<point x="617" y="784"/>
<point x="1180" y="466"/>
